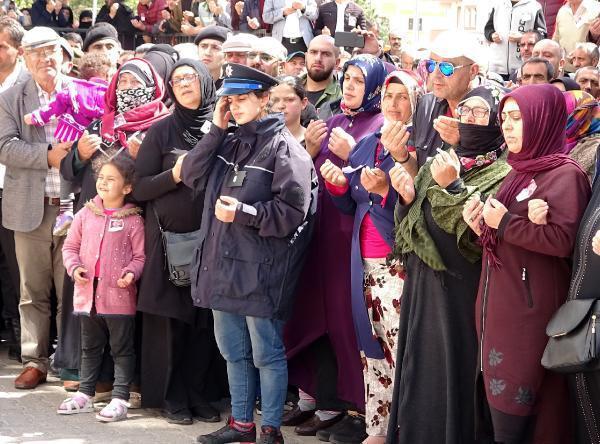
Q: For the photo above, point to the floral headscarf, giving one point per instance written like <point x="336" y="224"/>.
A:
<point x="374" y="73"/>
<point x="407" y="78"/>
<point x="583" y="119"/>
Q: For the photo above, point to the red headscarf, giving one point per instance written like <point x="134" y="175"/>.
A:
<point x="137" y="119"/>
<point x="544" y="116"/>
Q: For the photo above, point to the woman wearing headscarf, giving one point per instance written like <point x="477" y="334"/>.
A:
<point x="376" y="279"/>
<point x="322" y="352"/>
<point x="180" y="363"/>
<point x="583" y="130"/>
<point x="132" y="104"/>
<point x="528" y="235"/>
<point x="437" y="342"/>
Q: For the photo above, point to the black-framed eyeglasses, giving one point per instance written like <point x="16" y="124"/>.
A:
<point x="446" y="68"/>
<point x="184" y="80"/>
<point x="476" y="111"/>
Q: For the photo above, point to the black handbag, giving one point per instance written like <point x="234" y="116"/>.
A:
<point x="573" y="346"/>
<point x="179" y="253"/>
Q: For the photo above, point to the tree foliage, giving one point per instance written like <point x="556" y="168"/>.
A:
<point x="372" y="16"/>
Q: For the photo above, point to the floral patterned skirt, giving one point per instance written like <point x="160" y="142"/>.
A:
<point x="382" y="289"/>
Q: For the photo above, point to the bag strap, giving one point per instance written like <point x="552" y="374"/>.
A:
<point x="157" y="219"/>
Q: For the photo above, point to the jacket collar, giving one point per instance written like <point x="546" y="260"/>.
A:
<point x="95" y="206"/>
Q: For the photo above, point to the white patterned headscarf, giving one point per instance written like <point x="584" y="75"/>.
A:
<point x="412" y="85"/>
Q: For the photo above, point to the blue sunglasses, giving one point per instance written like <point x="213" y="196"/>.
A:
<point x="446" y="68"/>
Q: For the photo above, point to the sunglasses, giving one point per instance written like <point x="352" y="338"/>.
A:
<point x="446" y="68"/>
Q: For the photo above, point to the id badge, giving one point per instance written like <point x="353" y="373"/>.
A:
<point x="235" y="179"/>
<point x="115" y="225"/>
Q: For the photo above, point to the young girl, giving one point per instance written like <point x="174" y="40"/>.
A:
<point x="104" y="254"/>
<point x="289" y="98"/>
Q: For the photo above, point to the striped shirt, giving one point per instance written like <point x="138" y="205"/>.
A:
<point x="53" y="178"/>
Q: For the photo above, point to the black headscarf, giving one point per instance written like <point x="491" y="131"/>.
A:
<point x="478" y="140"/>
<point x="191" y="121"/>
<point x="568" y="83"/>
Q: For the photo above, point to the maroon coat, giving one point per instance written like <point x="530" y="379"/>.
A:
<point x="519" y="299"/>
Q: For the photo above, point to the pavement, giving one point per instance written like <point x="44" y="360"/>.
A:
<point x="29" y="416"/>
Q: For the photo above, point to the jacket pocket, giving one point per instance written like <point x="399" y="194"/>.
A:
<point x="527" y="285"/>
<point x="243" y="274"/>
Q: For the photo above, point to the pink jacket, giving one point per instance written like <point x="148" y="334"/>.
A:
<point x="123" y="251"/>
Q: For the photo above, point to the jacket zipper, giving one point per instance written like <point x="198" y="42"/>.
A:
<point x="483" y="312"/>
<point x="527" y="287"/>
<point x="593" y="335"/>
<point x="584" y="246"/>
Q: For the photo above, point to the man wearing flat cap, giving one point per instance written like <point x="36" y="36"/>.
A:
<point x="102" y="38"/>
<point x="31" y="201"/>
<point x="451" y="67"/>
<point x="210" y="48"/>
<point x="237" y="47"/>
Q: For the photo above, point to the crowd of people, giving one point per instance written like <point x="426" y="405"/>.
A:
<point x="364" y="243"/>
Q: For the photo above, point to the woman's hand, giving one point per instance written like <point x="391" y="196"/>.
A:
<point x="126" y="280"/>
<point x="394" y="137"/>
<point x="473" y="214"/>
<point x="88" y="145"/>
<point x="138" y="25"/>
<point x="538" y="211"/>
<point x="222" y="114"/>
<point x="28" y="119"/>
<point x="133" y="145"/>
<point x="225" y="208"/>
<point x="341" y="143"/>
<point x="445" y="168"/>
<point x="176" y="170"/>
<point x="493" y="212"/>
<point x="316" y="131"/>
<point x="79" y="276"/>
<point x="333" y="174"/>
<point x="403" y="183"/>
<point x="448" y="129"/>
<point x="596" y="243"/>
<point x="374" y="181"/>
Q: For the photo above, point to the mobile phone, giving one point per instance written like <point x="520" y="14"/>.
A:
<point x="349" y="39"/>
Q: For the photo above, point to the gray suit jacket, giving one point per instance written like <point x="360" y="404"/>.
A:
<point x="24" y="151"/>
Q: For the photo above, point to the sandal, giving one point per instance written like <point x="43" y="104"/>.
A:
<point x="78" y="403"/>
<point x="116" y="410"/>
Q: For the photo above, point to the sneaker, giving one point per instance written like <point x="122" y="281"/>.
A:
<point x="116" y="410"/>
<point x="62" y="224"/>
<point x="228" y="434"/>
<point x="180" y="417"/>
<point x="270" y="435"/>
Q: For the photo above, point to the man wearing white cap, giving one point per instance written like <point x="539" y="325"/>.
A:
<point x="268" y="55"/>
<point x="451" y="67"/>
<point x="237" y="47"/>
<point x="31" y="201"/>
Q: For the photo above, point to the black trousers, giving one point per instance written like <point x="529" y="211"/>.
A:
<point x="96" y="333"/>
<point x="9" y="272"/>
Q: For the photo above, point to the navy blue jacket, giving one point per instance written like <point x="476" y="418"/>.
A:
<point x="251" y="266"/>
<point x="359" y="202"/>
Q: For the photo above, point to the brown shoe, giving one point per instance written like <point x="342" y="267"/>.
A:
<point x="314" y="424"/>
<point x="30" y="378"/>
<point x="71" y="386"/>
<point x="296" y="417"/>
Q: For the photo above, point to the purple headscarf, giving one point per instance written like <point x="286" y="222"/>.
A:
<point x="544" y="116"/>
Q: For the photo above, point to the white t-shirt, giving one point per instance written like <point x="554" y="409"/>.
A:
<point x="291" y="29"/>
<point x="341" y="9"/>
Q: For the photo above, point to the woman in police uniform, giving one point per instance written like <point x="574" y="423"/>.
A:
<point x="257" y="181"/>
